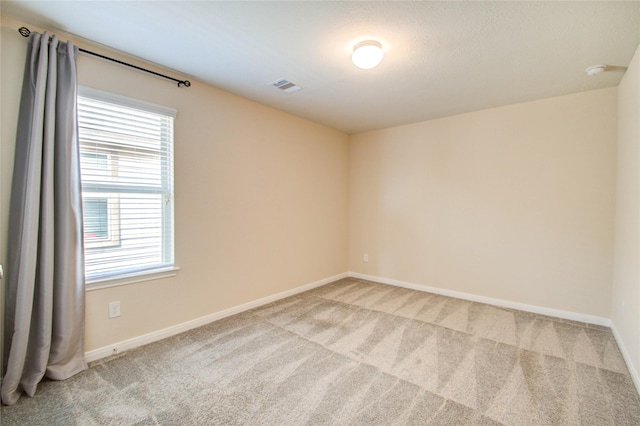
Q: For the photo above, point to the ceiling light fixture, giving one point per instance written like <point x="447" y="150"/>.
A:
<point x="367" y="54"/>
<point x="595" y="69"/>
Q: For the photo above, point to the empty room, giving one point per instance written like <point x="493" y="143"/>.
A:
<point x="320" y="213"/>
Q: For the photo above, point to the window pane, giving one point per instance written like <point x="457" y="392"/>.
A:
<point x="127" y="183"/>
<point x="96" y="223"/>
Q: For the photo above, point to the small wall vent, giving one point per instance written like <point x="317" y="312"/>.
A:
<point x="285" y="85"/>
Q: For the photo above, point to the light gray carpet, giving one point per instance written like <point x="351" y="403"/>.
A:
<point x="355" y="352"/>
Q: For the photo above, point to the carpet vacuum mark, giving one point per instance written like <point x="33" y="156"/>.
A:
<point x="355" y="352"/>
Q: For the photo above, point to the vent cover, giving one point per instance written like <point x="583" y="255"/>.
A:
<point x="285" y="85"/>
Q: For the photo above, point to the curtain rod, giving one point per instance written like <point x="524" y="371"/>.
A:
<point x="24" y="32"/>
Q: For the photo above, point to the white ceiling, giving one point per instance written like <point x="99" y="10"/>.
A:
<point x="441" y="58"/>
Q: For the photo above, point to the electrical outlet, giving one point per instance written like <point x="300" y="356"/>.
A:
<point x="114" y="309"/>
<point x="365" y="258"/>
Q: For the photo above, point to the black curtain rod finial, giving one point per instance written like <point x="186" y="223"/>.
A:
<point x="24" y="32"/>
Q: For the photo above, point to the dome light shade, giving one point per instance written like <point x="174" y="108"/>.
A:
<point x="595" y="69"/>
<point x="367" y="54"/>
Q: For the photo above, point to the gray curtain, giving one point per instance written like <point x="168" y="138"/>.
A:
<point x="44" y="303"/>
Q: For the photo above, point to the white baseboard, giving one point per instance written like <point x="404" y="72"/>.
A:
<point x="627" y="358"/>
<point x="134" y="342"/>
<point x="591" y="319"/>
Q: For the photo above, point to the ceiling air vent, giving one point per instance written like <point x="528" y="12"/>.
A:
<point x="285" y="85"/>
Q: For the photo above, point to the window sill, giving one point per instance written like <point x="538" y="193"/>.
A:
<point x="131" y="278"/>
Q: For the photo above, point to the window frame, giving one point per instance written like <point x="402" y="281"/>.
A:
<point x="167" y="192"/>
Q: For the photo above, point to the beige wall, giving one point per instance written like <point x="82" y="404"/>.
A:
<point x="261" y="198"/>
<point x="514" y="203"/>
<point x="625" y="308"/>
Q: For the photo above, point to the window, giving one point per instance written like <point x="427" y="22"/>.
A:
<point x="126" y="162"/>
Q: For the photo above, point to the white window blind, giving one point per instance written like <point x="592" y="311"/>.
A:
<point x="126" y="160"/>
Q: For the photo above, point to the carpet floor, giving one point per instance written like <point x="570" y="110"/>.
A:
<point x="354" y="352"/>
